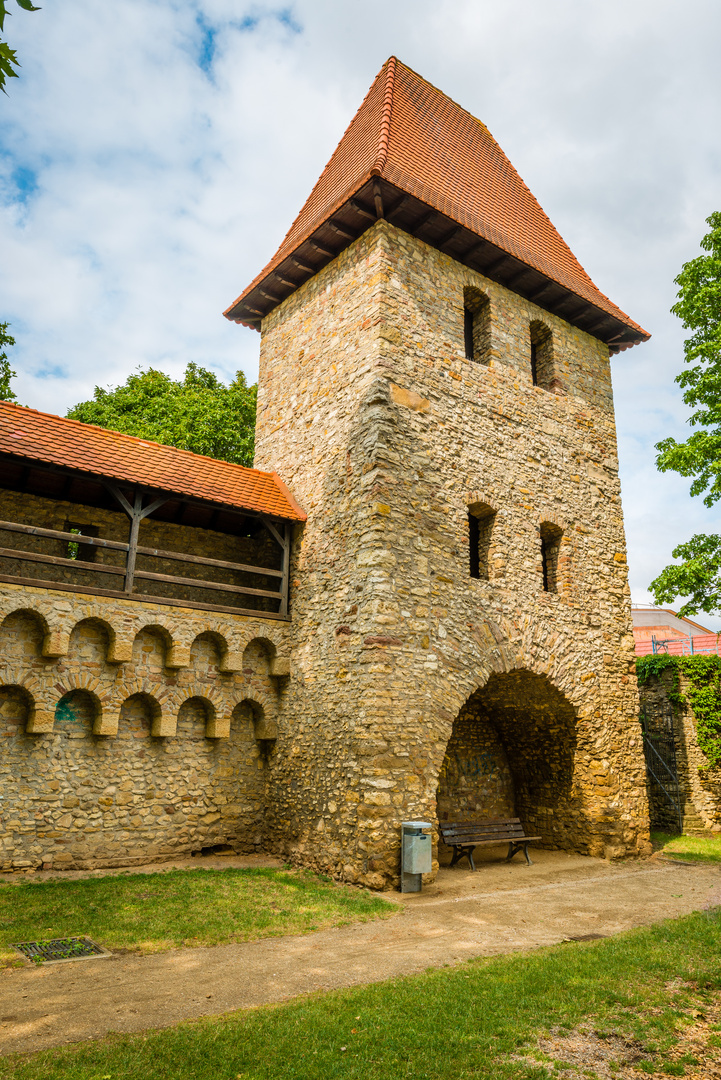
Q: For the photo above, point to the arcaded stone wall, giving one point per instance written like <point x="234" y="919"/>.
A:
<point x="700" y="786"/>
<point x="25" y="509"/>
<point x="386" y="434"/>
<point x="131" y="730"/>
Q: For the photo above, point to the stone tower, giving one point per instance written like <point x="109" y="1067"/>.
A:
<point x="435" y="390"/>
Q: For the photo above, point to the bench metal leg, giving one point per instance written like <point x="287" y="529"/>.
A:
<point x="459" y="852"/>
<point x="514" y="847"/>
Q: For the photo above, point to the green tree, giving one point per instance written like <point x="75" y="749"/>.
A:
<point x="6" y="372"/>
<point x="698" y="575"/>
<point x="197" y="412"/>
<point x="8" y="57"/>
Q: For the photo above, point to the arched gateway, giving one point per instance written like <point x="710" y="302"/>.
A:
<point x="512" y="753"/>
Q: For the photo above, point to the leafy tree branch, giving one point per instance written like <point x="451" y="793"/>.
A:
<point x="699" y="307"/>
<point x="8" y="57"/>
<point x="197" y="413"/>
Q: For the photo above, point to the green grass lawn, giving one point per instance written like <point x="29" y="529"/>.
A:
<point x="695" y="848"/>
<point x="151" y="912"/>
<point x="653" y="994"/>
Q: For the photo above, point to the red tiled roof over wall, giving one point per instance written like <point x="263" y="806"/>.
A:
<point x="412" y="136"/>
<point x="49" y="439"/>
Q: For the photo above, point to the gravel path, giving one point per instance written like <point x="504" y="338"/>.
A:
<point x="501" y="908"/>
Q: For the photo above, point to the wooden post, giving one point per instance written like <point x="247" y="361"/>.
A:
<point x="133" y="542"/>
<point x="136" y="513"/>
<point x="285" y="567"/>
<point x="283" y="541"/>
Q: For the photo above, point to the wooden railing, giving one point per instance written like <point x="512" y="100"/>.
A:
<point x="131" y="574"/>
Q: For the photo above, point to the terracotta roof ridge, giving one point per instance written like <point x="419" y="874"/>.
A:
<point x="134" y="438"/>
<point x="286" y="492"/>
<point x="385" y="127"/>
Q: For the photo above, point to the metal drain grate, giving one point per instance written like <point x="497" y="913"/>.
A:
<point x="60" y="949"/>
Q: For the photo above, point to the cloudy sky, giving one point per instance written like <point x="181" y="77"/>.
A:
<point x="154" y="152"/>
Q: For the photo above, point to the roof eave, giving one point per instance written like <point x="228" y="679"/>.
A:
<point x="348" y="220"/>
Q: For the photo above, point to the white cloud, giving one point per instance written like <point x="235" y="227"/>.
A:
<point x="154" y="152"/>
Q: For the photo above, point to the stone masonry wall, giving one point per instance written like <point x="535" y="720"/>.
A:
<point x="700" y="786"/>
<point x="386" y="434"/>
<point x="130" y="730"/>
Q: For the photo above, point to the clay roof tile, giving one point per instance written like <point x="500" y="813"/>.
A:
<point x="55" y="440"/>
<point x="410" y="134"/>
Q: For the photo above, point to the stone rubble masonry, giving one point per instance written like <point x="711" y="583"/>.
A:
<point x="131" y="730"/>
<point x="386" y="434"/>
<point x="700" y="785"/>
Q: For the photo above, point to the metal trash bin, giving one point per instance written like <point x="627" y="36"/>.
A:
<point x="416" y="854"/>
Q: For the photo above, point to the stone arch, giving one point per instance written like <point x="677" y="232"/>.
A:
<point x="140" y="712"/>
<point x="120" y="641"/>
<point x="159" y="628"/>
<point x="259" y="711"/>
<point x="512" y="752"/>
<point x="95" y="627"/>
<point x="81" y="682"/>
<point x="272" y="647"/>
<point x="163" y="717"/>
<point x="15" y="634"/>
<point x="37" y="720"/>
<point x="76" y="708"/>
<point x="220" y="646"/>
<point x="217" y="713"/>
<point x="201" y="703"/>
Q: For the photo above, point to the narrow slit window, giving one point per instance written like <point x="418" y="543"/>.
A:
<point x="543" y="359"/>
<point x="476" y="325"/>
<point x="468" y="333"/>
<point x="551" y="537"/>
<point x="480" y="529"/>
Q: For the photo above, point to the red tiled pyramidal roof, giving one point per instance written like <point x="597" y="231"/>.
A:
<point x="43" y="437"/>
<point x="408" y="137"/>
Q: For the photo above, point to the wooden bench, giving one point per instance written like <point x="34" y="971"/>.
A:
<point x="465" y="836"/>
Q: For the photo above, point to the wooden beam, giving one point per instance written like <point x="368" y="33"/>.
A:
<point x="397" y="206"/>
<point x="178" y="556"/>
<point x="61" y="586"/>
<point x="341" y="230"/>
<point x="472" y="250"/>
<point x="59" y="560"/>
<point x="539" y="292"/>
<point x="448" y="236"/>
<point x="302" y="266"/>
<point x="495" y="265"/>
<point x="285" y="570"/>
<point x="269" y="296"/>
<point x="378" y="198"/>
<point x="511" y="281"/>
<point x="423" y="220"/>
<point x="321" y="249"/>
<point x="201" y="583"/>
<point x="286" y="281"/>
<point x="359" y="208"/>
<point x="254" y="310"/>
<point x="56" y="534"/>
